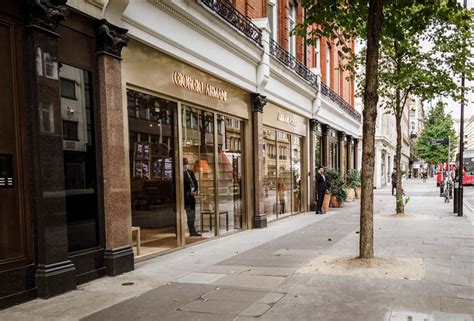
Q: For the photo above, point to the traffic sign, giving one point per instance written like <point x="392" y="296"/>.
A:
<point x="435" y="142"/>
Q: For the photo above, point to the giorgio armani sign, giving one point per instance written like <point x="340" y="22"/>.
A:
<point x="198" y="86"/>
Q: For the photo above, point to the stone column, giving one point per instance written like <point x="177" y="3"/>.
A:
<point x="55" y="273"/>
<point x="258" y="102"/>
<point x="350" y="156"/>
<point x="356" y="154"/>
<point x="342" y="141"/>
<point x="325" y="133"/>
<point x="118" y="254"/>
<point x="313" y="126"/>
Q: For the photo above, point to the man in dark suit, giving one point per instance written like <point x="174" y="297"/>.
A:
<point x="394" y="181"/>
<point x="320" y="189"/>
<point x="190" y="190"/>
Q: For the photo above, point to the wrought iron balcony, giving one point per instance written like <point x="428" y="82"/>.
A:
<point x="328" y="92"/>
<point x="232" y="16"/>
<point x="291" y="62"/>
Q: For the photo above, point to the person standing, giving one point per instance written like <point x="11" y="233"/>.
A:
<point x="394" y="181"/>
<point x="190" y="190"/>
<point x="320" y="189"/>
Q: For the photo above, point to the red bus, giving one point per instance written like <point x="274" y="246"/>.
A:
<point x="468" y="167"/>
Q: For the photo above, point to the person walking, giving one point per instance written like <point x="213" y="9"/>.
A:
<point x="320" y="189"/>
<point x="190" y="190"/>
<point x="394" y="181"/>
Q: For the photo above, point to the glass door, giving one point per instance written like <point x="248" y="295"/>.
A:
<point x="229" y="133"/>
<point x="284" y="186"/>
<point x="199" y="176"/>
<point x="152" y="140"/>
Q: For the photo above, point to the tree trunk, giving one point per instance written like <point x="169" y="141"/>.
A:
<point x="366" y="245"/>
<point x="399" y="194"/>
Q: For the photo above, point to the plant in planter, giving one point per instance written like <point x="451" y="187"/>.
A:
<point x="353" y="184"/>
<point x="335" y="186"/>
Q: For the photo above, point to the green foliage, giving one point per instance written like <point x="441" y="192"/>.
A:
<point x="335" y="184"/>
<point x="438" y="125"/>
<point x="353" y="179"/>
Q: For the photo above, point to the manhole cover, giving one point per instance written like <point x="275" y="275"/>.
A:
<point x="127" y="283"/>
<point x="409" y="316"/>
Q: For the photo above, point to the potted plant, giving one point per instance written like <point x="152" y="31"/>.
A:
<point x="353" y="185"/>
<point x="335" y="186"/>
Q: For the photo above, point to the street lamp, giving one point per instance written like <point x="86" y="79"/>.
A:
<point x="461" y="145"/>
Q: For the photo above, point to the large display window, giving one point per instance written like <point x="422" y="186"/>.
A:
<point x="209" y="148"/>
<point x="282" y="173"/>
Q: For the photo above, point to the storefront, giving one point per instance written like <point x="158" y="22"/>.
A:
<point x="188" y="133"/>
<point x="285" y="170"/>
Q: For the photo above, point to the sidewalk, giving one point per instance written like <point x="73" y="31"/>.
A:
<point x="291" y="271"/>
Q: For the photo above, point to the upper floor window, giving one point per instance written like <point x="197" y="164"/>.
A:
<point x="317" y="53"/>
<point x="291" y="26"/>
<point x="273" y="18"/>
<point x="328" y="64"/>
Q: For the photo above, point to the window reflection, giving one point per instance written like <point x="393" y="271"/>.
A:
<point x="152" y="134"/>
<point x="282" y="173"/>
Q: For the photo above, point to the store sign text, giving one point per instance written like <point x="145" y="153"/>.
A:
<point x="198" y="86"/>
<point x="286" y="119"/>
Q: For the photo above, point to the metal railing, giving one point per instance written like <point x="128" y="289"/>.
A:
<point x="328" y="92"/>
<point x="231" y="15"/>
<point x="293" y="63"/>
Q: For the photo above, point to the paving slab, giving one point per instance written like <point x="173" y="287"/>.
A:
<point x="230" y="294"/>
<point x="201" y="278"/>
<point x="251" y="281"/>
<point x="215" y="307"/>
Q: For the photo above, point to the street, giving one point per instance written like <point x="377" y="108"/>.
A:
<point x="469" y="196"/>
<point x="299" y="268"/>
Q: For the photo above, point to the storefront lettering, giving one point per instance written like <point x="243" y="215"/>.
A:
<point x="286" y="119"/>
<point x="198" y="86"/>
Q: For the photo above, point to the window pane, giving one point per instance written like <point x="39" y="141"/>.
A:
<point x="68" y="88"/>
<point x="270" y="173"/>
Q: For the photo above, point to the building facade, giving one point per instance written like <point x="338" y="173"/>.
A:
<point x="113" y="105"/>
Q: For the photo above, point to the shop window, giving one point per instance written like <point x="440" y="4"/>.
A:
<point x="70" y="130"/>
<point x="68" y="88"/>
<point x="152" y="144"/>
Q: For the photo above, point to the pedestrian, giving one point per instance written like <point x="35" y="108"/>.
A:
<point x="190" y="191"/>
<point x="394" y="181"/>
<point x="320" y="189"/>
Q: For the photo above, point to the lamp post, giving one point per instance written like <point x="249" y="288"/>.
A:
<point x="461" y="146"/>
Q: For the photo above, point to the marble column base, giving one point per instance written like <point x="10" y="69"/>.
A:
<point x="119" y="260"/>
<point x="54" y="279"/>
<point x="260" y="221"/>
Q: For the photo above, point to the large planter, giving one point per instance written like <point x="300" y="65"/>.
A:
<point x="326" y="200"/>
<point x="334" y="202"/>
<point x="358" y="191"/>
<point x="350" y="192"/>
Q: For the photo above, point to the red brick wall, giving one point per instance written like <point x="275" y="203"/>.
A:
<point x="258" y="9"/>
<point x="251" y="8"/>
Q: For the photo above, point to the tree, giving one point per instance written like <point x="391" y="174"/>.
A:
<point x="438" y="125"/>
<point x="350" y="19"/>
<point x="375" y="21"/>
<point x="409" y="69"/>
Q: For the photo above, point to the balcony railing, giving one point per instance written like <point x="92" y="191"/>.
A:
<point x="231" y="15"/>
<point x="328" y="92"/>
<point x="291" y="62"/>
